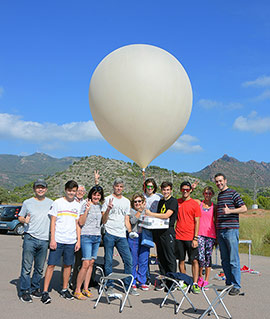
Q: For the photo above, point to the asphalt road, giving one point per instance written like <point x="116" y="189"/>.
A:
<point x="254" y="304"/>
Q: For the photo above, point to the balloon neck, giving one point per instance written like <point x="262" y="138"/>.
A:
<point x="143" y="173"/>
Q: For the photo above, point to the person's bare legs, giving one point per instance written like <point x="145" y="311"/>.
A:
<point x="195" y="270"/>
<point x="182" y="267"/>
<point x="82" y="275"/>
<point x="88" y="274"/>
<point x="48" y="277"/>
<point x="207" y="273"/>
<point x="201" y="272"/>
<point x="66" y="275"/>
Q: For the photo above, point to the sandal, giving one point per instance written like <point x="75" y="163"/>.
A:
<point x="87" y="293"/>
<point x="79" y="296"/>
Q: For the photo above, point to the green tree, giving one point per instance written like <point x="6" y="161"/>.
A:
<point x="264" y="202"/>
<point x="247" y="200"/>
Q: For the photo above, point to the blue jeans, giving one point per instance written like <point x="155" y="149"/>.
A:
<point x="140" y="256"/>
<point x="34" y="251"/>
<point x="228" y="240"/>
<point x="121" y="243"/>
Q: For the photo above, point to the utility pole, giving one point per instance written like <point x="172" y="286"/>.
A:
<point x="256" y="176"/>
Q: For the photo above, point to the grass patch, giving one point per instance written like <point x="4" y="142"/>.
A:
<point x="258" y="230"/>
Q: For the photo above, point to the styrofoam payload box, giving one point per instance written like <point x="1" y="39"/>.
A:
<point x="153" y="222"/>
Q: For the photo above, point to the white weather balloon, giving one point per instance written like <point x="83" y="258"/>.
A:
<point x="140" y="98"/>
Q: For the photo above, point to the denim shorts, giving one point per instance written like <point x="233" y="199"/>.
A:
<point x="89" y="246"/>
<point x="65" y="250"/>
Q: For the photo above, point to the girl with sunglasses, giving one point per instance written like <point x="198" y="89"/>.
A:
<point x="206" y="234"/>
<point x="90" y="222"/>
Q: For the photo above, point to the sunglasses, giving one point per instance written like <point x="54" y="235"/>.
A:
<point x="207" y="193"/>
<point x="97" y="188"/>
<point x="137" y="201"/>
<point x="149" y="186"/>
<point x="185" y="190"/>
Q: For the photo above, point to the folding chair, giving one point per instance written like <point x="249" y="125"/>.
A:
<point x="221" y="292"/>
<point x="176" y="280"/>
<point x="115" y="277"/>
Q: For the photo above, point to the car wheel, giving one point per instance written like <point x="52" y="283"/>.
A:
<point x="19" y="229"/>
<point x="3" y="231"/>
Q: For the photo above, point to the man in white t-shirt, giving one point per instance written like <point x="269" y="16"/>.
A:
<point x="115" y="217"/>
<point x="65" y="238"/>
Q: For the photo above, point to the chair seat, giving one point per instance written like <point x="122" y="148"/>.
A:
<point x="116" y="276"/>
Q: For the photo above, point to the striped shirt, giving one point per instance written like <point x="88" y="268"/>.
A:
<point x="66" y="214"/>
<point x="232" y="199"/>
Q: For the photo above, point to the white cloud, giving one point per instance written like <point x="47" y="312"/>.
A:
<point x="265" y="95"/>
<point x="252" y="123"/>
<point x="184" y="145"/>
<point x="13" y="127"/>
<point x="1" y="91"/>
<point x="262" y="81"/>
<point x="211" y="104"/>
<point x="233" y="106"/>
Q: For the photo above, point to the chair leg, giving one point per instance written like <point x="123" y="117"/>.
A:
<point x="210" y="308"/>
<point x="221" y="297"/>
<point x="175" y="283"/>
<point x="218" y="300"/>
<point x="185" y="296"/>
<point x="122" y="303"/>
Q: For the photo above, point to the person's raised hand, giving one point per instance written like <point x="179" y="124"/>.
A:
<point x="96" y="176"/>
<point x="110" y="205"/>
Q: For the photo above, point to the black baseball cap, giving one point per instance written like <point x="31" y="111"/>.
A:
<point x="186" y="183"/>
<point x="40" y="182"/>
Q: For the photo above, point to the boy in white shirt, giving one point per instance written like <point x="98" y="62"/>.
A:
<point x="65" y="238"/>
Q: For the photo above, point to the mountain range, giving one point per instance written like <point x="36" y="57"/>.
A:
<point x="19" y="170"/>
<point x="244" y="174"/>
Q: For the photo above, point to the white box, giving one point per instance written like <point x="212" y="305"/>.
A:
<point x="153" y="222"/>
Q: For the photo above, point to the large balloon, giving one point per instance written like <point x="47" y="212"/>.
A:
<point x="140" y="98"/>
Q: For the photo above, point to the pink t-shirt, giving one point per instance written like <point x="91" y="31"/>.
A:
<point x="207" y="226"/>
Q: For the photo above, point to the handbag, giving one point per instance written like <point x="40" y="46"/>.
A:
<point x="147" y="238"/>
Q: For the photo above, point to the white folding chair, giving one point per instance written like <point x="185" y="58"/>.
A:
<point x="119" y="278"/>
<point x="176" y="285"/>
<point x="220" y="292"/>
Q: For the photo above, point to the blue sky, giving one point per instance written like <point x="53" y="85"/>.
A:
<point x="49" y="50"/>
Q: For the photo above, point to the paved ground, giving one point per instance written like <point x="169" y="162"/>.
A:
<point x="254" y="304"/>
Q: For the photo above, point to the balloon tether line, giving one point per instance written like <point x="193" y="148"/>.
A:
<point x="143" y="173"/>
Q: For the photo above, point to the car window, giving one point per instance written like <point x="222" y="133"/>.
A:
<point x="10" y="212"/>
<point x="1" y="210"/>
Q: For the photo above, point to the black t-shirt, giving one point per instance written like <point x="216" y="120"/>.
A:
<point x="172" y="204"/>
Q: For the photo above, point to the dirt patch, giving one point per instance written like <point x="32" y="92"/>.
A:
<point x="256" y="213"/>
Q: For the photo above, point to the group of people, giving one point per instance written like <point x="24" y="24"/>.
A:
<point x="71" y="226"/>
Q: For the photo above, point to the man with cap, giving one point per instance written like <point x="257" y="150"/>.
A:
<point x="34" y="215"/>
<point x="115" y="217"/>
